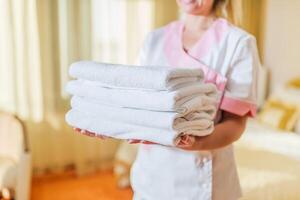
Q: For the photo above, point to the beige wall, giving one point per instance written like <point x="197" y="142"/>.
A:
<point x="282" y="40"/>
<point x="165" y="12"/>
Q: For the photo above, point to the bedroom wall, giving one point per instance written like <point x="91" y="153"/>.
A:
<point x="281" y="35"/>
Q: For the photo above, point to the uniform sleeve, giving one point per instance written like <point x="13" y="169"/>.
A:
<point x="240" y="93"/>
<point x="141" y="60"/>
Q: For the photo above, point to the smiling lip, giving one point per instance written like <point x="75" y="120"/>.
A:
<point x="188" y="1"/>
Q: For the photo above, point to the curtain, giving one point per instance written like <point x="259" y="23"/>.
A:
<point x="38" y="41"/>
<point x="249" y="15"/>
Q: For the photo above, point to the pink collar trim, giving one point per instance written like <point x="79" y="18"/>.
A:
<point x="178" y="57"/>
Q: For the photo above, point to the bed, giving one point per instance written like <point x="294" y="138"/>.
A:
<point x="268" y="163"/>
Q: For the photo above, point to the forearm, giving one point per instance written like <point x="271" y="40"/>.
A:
<point x="225" y="133"/>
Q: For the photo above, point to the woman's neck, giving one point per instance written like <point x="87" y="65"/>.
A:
<point x="198" y="23"/>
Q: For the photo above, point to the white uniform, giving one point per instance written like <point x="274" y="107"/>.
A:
<point x="228" y="56"/>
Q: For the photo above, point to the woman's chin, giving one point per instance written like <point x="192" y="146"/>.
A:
<point x="192" y="11"/>
<point x="189" y="8"/>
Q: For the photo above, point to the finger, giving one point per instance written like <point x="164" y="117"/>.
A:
<point x="186" y="141"/>
<point x="147" y="142"/>
<point x="76" y="129"/>
<point x="197" y="145"/>
<point x="90" y="133"/>
<point x="87" y="133"/>
<point x="103" y="137"/>
<point x="133" y="141"/>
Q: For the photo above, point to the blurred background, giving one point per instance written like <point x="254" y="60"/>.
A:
<point x="42" y="158"/>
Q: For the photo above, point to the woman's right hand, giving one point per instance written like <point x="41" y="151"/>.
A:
<point x="88" y="133"/>
<point x="91" y="134"/>
<point x="133" y="141"/>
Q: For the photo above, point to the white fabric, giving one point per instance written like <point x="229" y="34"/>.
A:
<point x="149" y="77"/>
<point x="117" y="130"/>
<point x="181" y="100"/>
<point x="15" y="164"/>
<point x="105" y="124"/>
<point x="24" y="177"/>
<point x="200" y="121"/>
<point x="11" y="137"/>
<point x="242" y="75"/>
<point x="8" y="172"/>
<point x="162" y="173"/>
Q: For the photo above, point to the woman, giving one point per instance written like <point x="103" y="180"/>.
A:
<point x="228" y="56"/>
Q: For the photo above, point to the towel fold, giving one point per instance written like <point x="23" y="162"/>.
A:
<point x="103" y="126"/>
<point x="183" y="100"/>
<point x="197" y="121"/>
<point x="146" y="77"/>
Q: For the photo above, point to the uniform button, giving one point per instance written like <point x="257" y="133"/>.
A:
<point x="205" y="160"/>
<point x="199" y="162"/>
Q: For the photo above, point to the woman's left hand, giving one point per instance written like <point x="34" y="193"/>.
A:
<point x="194" y="143"/>
<point x="229" y="130"/>
<point x="88" y="133"/>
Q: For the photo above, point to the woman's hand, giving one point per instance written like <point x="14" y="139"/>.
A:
<point x="91" y="134"/>
<point x="228" y="131"/>
<point x="88" y="133"/>
<point x="132" y="141"/>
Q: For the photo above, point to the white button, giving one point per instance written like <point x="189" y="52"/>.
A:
<point x="205" y="159"/>
<point x="199" y="162"/>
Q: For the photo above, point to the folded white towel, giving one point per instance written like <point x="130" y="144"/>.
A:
<point x="183" y="100"/>
<point x="100" y="125"/>
<point x="197" y="121"/>
<point x="146" y="77"/>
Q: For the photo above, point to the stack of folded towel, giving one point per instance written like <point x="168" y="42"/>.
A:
<point x="155" y="104"/>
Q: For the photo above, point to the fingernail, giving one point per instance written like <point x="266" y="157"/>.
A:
<point x="182" y="144"/>
<point x="129" y="141"/>
<point x="191" y="140"/>
<point x="82" y="131"/>
<point x="186" y="142"/>
<point x="147" y="142"/>
<point x="134" y="141"/>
